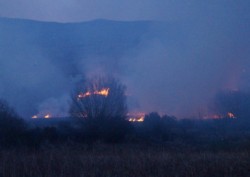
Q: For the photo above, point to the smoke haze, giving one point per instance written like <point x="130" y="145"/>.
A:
<point x="172" y="67"/>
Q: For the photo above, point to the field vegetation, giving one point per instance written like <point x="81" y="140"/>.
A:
<point x="112" y="146"/>
<point x="123" y="160"/>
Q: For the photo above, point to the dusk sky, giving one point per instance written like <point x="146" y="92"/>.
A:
<point x="82" y="10"/>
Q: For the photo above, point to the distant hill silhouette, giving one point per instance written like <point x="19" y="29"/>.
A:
<point x="69" y="42"/>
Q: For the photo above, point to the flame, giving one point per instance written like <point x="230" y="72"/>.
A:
<point x="34" y="117"/>
<point x="47" y="116"/>
<point x="231" y="115"/>
<point x="102" y="92"/>
<point x="141" y="119"/>
<point x="136" y="117"/>
<point x="83" y="95"/>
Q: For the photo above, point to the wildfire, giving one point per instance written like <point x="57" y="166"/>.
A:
<point x="83" y="95"/>
<point x="102" y="92"/>
<point x="136" y="117"/>
<point x="231" y="115"/>
<point x="215" y="116"/>
<point x="141" y="119"/>
<point x="47" y="116"/>
<point x="34" y="117"/>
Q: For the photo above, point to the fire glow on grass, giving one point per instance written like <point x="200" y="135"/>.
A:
<point x="136" y="117"/>
<point x="46" y="116"/>
<point x="229" y="115"/>
<point x="34" y="117"/>
<point x="103" y="92"/>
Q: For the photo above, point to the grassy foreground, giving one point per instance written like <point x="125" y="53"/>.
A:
<point x="121" y="161"/>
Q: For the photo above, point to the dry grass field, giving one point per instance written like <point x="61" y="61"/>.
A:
<point x="121" y="161"/>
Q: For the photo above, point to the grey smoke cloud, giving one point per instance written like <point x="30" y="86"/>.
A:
<point x="28" y="77"/>
<point x="181" y="77"/>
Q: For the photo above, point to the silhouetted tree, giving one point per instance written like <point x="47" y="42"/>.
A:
<point x="99" y="98"/>
<point x="160" y="128"/>
<point x="152" y="126"/>
<point x="12" y="127"/>
<point x="100" y="103"/>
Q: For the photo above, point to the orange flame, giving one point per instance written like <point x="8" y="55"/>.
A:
<point x="141" y="119"/>
<point x="103" y="92"/>
<point x="34" y="117"/>
<point x="136" y="117"/>
<point x="83" y="95"/>
<point x="47" y="116"/>
<point x="231" y="115"/>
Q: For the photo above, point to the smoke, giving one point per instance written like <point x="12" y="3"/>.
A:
<point x="182" y="76"/>
<point x="28" y="77"/>
<point x="178" y="71"/>
<point x="56" y="107"/>
<point x="172" y="67"/>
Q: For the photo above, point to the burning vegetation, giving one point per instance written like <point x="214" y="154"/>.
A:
<point x="165" y="134"/>
<point x="102" y="92"/>
<point x="99" y="98"/>
<point x="228" y="115"/>
<point x="136" y="117"/>
<point x="45" y="116"/>
<point x="106" y="98"/>
<point x="34" y="117"/>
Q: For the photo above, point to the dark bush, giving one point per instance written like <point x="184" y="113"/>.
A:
<point x="157" y="128"/>
<point x="106" y="130"/>
<point x="12" y="127"/>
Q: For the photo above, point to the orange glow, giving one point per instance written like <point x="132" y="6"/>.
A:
<point x="231" y="115"/>
<point x="136" y="117"/>
<point x="103" y="92"/>
<point x="34" y="117"/>
<point x="83" y="95"/>
<point x="47" y="116"/>
<point x="131" y="120"/>
<point x="141" y="119"/>
<point x="215" y="116"/>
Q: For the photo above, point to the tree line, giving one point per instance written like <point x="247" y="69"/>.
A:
<point x="99" y="114"/>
